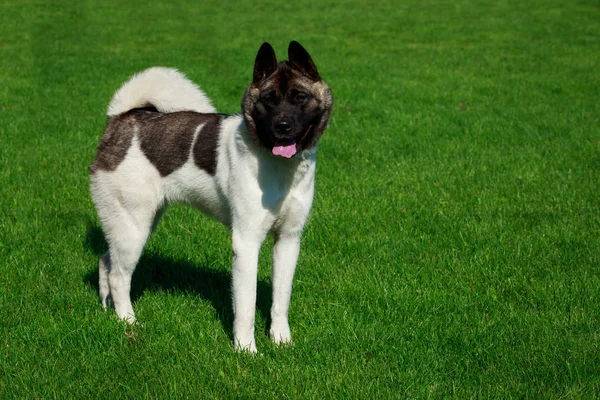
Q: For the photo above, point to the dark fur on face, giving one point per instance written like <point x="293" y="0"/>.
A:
<point x="287" y="102"/>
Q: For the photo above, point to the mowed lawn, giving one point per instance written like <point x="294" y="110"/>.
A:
<point x="454" y="245"/>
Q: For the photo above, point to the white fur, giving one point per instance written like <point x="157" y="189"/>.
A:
<point x="253" y="192"/>
<point x="165" y="88"/>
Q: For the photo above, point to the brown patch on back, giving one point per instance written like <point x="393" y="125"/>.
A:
<point x="205" y="148"/>
<point x="165" y="139"/>
<point x="114" y="143"/>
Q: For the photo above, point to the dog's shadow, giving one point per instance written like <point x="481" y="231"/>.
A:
<point x="157" y="273"/>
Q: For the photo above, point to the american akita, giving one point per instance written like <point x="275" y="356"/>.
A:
<point x="254" y="172"/>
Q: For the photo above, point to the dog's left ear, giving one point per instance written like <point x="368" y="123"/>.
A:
<point x="300" y="59"/>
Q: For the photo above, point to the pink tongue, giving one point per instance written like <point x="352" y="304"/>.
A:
<point x="285" y="151"/>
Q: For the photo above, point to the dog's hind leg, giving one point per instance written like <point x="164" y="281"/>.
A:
<point x="103" y="269"/>
<point x="104" y="266"/>
<point x="126" y="233"/>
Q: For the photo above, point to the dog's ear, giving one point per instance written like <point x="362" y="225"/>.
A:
<point x="300" y="59"/>
<point x="265" y="63"/>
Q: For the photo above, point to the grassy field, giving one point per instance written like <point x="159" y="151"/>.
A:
<point x="454" y="245"/>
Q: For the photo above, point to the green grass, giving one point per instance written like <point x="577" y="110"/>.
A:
<point x="454" y="245"/>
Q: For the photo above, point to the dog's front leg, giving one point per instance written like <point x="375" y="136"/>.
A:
<point x="244" y="276"/>
<point x="285" y="257"/>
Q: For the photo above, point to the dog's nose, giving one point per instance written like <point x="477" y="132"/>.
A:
<point x="283" y="126"/>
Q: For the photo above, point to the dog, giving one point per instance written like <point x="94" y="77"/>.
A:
<point x="254" y="172"/>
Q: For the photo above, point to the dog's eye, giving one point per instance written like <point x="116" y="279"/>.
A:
<point x="300" y="98"/>
<point x="270" y="98"/>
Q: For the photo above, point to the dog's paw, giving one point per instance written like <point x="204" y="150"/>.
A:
<point x="129" y="318"/>
<point x="280" y="333"/>
<point x="245" y="346"/>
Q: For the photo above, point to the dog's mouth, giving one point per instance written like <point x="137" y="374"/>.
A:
<point x="289" y="149"/>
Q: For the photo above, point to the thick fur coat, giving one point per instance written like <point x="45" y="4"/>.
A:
<point x="254" y="172"/>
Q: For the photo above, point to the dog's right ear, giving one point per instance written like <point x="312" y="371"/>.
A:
<point x="265" y="64"/>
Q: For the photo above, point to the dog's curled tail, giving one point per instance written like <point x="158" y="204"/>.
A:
<point x="165" y="89"/>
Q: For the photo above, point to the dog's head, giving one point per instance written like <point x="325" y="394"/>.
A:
<point x="287" y="106"/>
